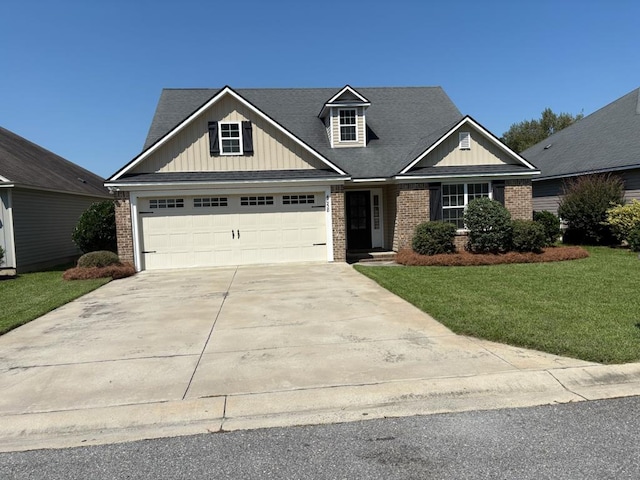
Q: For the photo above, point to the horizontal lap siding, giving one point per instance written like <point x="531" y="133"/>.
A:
<point x="43" y="225"/>
<point x="632" y="184"/>
<point x="546" y="195"/>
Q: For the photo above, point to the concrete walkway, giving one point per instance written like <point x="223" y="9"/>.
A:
<point x="194" y="351"/>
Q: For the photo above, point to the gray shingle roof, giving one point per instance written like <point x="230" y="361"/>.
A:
<point x="406" y="120"/>
<point x="255" y="175"/>
<point x="26" y="164"/>
<point x="606" y="140"/>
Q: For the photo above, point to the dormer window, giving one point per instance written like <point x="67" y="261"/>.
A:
<point x="344" y="118"/>
<point x="348" y="130"/>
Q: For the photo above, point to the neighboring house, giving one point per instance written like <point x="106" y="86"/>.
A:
<point x="245" y="176"/>
<point x="607" y="141"/>
<point x="42" y="195"/>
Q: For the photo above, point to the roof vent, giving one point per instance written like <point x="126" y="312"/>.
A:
<point x="82" y="180"/>
<point x="547" y="147"/>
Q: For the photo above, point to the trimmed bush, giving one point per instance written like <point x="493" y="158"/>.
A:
<point x="96" y="228"/>
<point x="527" y="236"/>
<point x="623" y="219"/>
<point x="489" y="225"/>
<point x="584" y="206"/>
<point x="101" y="258"/>
<point x="432" y="238"/>
<point x="634" y="239"/>
<point x="114" y="271"/>
<point x="550" y="224"/>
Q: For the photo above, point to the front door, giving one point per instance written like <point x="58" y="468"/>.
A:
<point x="358" y="220"/>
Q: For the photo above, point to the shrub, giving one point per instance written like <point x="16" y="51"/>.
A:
<point x="432" y="238"/>
<point x="101" y="258"/>
<point x="489" y="225"/>
<point x="623" y="219"/>
<point x="1" y="255"/>
<point x="584" y="206"/>
<point x="96" y="228"/>
<point x="634" y="239"/>
<point x="527" y="236"/>
<point x="550" y="224"/>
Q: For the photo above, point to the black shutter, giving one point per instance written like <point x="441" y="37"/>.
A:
<point x="247" y="138"/>
<point x="498" y="191"/>
<point x="435" y="201"/>
<point x="214" y="144"/>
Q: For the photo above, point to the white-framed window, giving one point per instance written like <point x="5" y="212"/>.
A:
<point x="348" y="123"/>
<point x="456" y="197"/>
<point x="256" y="200"/>
<point x="207" y="202"/>
<point x="230" y="138"/>
<point x="166" y="203"/>
<point x="298" y="199"/>
<point x="464" y="140"/>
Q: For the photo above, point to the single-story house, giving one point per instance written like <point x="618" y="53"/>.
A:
<point x="607" y="141"/>
<point x="242" y="176"/>
<point x="42" y="195"/>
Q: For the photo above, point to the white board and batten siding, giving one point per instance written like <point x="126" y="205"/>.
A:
<point x="236" y="229"/>
<point x="43" y="238"/>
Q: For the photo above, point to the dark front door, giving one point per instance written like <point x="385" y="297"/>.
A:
<point x="358" y="220"/>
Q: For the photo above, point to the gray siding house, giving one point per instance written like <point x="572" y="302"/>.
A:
<point x="607" y="141"/>
<point x="42" y="195"/>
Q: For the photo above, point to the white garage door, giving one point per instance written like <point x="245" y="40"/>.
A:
<point x="206" y="231"/>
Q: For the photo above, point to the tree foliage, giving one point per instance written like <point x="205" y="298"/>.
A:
<point x="96" y="228"/>
<point x="523" y="135"/>
<point x="584" y="206"/>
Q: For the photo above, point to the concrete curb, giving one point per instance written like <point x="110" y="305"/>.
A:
<point x="121" y="423"/>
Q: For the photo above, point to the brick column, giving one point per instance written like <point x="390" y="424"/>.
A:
<point x="518" y="199"/>
<point x="338" y="223"/>
<point x="412" y="208"/>
<point x="124" y="230"/>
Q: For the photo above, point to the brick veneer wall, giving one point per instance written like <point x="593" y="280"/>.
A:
<point x="339" y="224"/>
<point x="518" y="199"/>
<point x="412" y="208"/>
<point x="124" y="231"/>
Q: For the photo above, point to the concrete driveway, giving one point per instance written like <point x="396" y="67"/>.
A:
<point x="187" y="351"/>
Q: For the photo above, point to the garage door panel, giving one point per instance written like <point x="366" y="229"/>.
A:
<point x="234" y="235"/>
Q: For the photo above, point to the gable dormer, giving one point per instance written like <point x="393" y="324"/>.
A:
<point x="345" y="120"/>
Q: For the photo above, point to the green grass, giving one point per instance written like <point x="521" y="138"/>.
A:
<point x="31" y="295"/>
<point x="587" y="309"/>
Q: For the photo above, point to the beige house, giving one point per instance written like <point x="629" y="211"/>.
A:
<point x="247" y="176"/>
<point x="42" y="195"/>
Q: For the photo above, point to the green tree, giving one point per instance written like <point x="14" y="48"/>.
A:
<point x="96" y="228"/>
<point x="523" y="135"/>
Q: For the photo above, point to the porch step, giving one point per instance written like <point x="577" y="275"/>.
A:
<point x="371" y="257"/>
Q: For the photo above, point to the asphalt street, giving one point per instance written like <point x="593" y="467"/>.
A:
<point x="585" y="440"/>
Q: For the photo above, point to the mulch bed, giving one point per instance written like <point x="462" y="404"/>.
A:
<point x="551" y="254"/>
<point x="113" y="271"/>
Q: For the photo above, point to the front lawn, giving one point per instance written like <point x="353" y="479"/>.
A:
<point x="587" y="309"/>
<point x="31" y="295"/>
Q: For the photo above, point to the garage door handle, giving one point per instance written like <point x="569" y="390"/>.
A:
<point x="233" y="235"/>
<point x="148" y="251"/>
<point x="238" y="234"/>
<point x="316" y="244"/>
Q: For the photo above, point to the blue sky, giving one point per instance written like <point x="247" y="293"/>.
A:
<point x="82" y="78"/>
